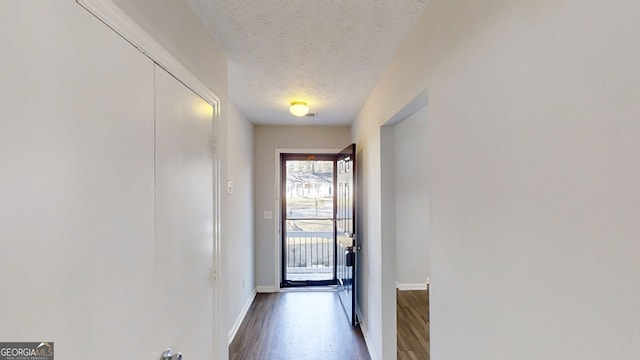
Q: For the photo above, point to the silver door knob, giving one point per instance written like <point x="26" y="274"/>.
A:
<point x="169" y="355"/>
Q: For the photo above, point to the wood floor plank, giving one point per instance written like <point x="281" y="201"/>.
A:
<point x="311" y="325"/>
<point x="413" y="325"/>
<point x="305" y="325"/>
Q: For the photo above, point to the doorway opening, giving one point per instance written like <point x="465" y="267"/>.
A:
<point x="405" y="230"/>
<point x="317" y="231"/>
<point x="308" y="213"/>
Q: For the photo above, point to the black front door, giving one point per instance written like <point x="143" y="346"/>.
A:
<point x="347" y="244"/>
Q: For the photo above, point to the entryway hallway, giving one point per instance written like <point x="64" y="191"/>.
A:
<point x="294" y="325"/>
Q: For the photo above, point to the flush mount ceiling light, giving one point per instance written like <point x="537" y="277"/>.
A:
<point x="299" y="108"/>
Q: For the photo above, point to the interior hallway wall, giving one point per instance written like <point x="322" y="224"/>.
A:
<point x="76" y="182"/>
<point x="240" y="267"/>
<point x="267" y="140"/>
<point x="532" y="156"/>
<point x="174" y="25"/>
<point x="411" y="200"/>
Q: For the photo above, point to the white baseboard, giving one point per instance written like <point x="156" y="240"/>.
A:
<point x="365" y="334"/>
<point x="243" y="313"/>
<point x="266" y="289"/>
<point x="407" y="287"/>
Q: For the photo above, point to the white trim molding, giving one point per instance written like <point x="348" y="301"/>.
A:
<point x="365" y="334"/>
<point x="266" y="289"/>
<point x="408" y="287"/>
<point x="240" y="319"/>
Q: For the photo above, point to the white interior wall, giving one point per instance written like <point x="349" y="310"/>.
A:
<point x="532" y="162"/>
<point x="371" y="267"/>
<point x="240" y="270"/>
<point x="411" y="201"/>
<point x="54" y="166"/>
<point x="76" y="147"/>
<point x="267" y="140"/>
<point x="389" y="244"/>
<point x="174" y="25"/>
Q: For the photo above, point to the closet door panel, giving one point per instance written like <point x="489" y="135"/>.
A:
<point x="184" y="219"/>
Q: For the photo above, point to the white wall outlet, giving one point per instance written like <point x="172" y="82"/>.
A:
<point x="229" y="187"/>
<point x="268" y="214"/>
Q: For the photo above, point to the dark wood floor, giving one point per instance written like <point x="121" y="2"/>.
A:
<point x="306" y="325"/>
<point x="413" y="325"/>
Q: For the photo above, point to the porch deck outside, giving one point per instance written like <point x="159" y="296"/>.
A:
<point x="310" y="255"/>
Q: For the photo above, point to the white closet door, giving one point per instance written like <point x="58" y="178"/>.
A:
<point x="184" y="220"/>
<point x="76" y="184"/>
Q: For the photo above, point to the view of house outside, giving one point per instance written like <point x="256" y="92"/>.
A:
<point x="309" y="226"/>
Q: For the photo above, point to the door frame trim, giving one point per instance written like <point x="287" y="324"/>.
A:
<point x="277" y="215"/>
<point x="282" y="205"/>
<point x="387" y="226"/>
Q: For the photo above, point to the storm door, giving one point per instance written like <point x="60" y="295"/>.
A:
<point x="308" y="219"/>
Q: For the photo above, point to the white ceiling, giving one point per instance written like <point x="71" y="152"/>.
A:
<point x="329" y="53"/>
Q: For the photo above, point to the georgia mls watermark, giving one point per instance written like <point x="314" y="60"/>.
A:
<point x="26" y="350"/>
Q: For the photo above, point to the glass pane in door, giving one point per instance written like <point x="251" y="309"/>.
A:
<point x="309" y="189"/>
<point x="309" y="221"/>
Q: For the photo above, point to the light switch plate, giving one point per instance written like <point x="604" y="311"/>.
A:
<point x="268" y="214"/>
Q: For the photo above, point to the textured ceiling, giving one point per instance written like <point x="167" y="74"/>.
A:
<point x="328" y="53"/>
